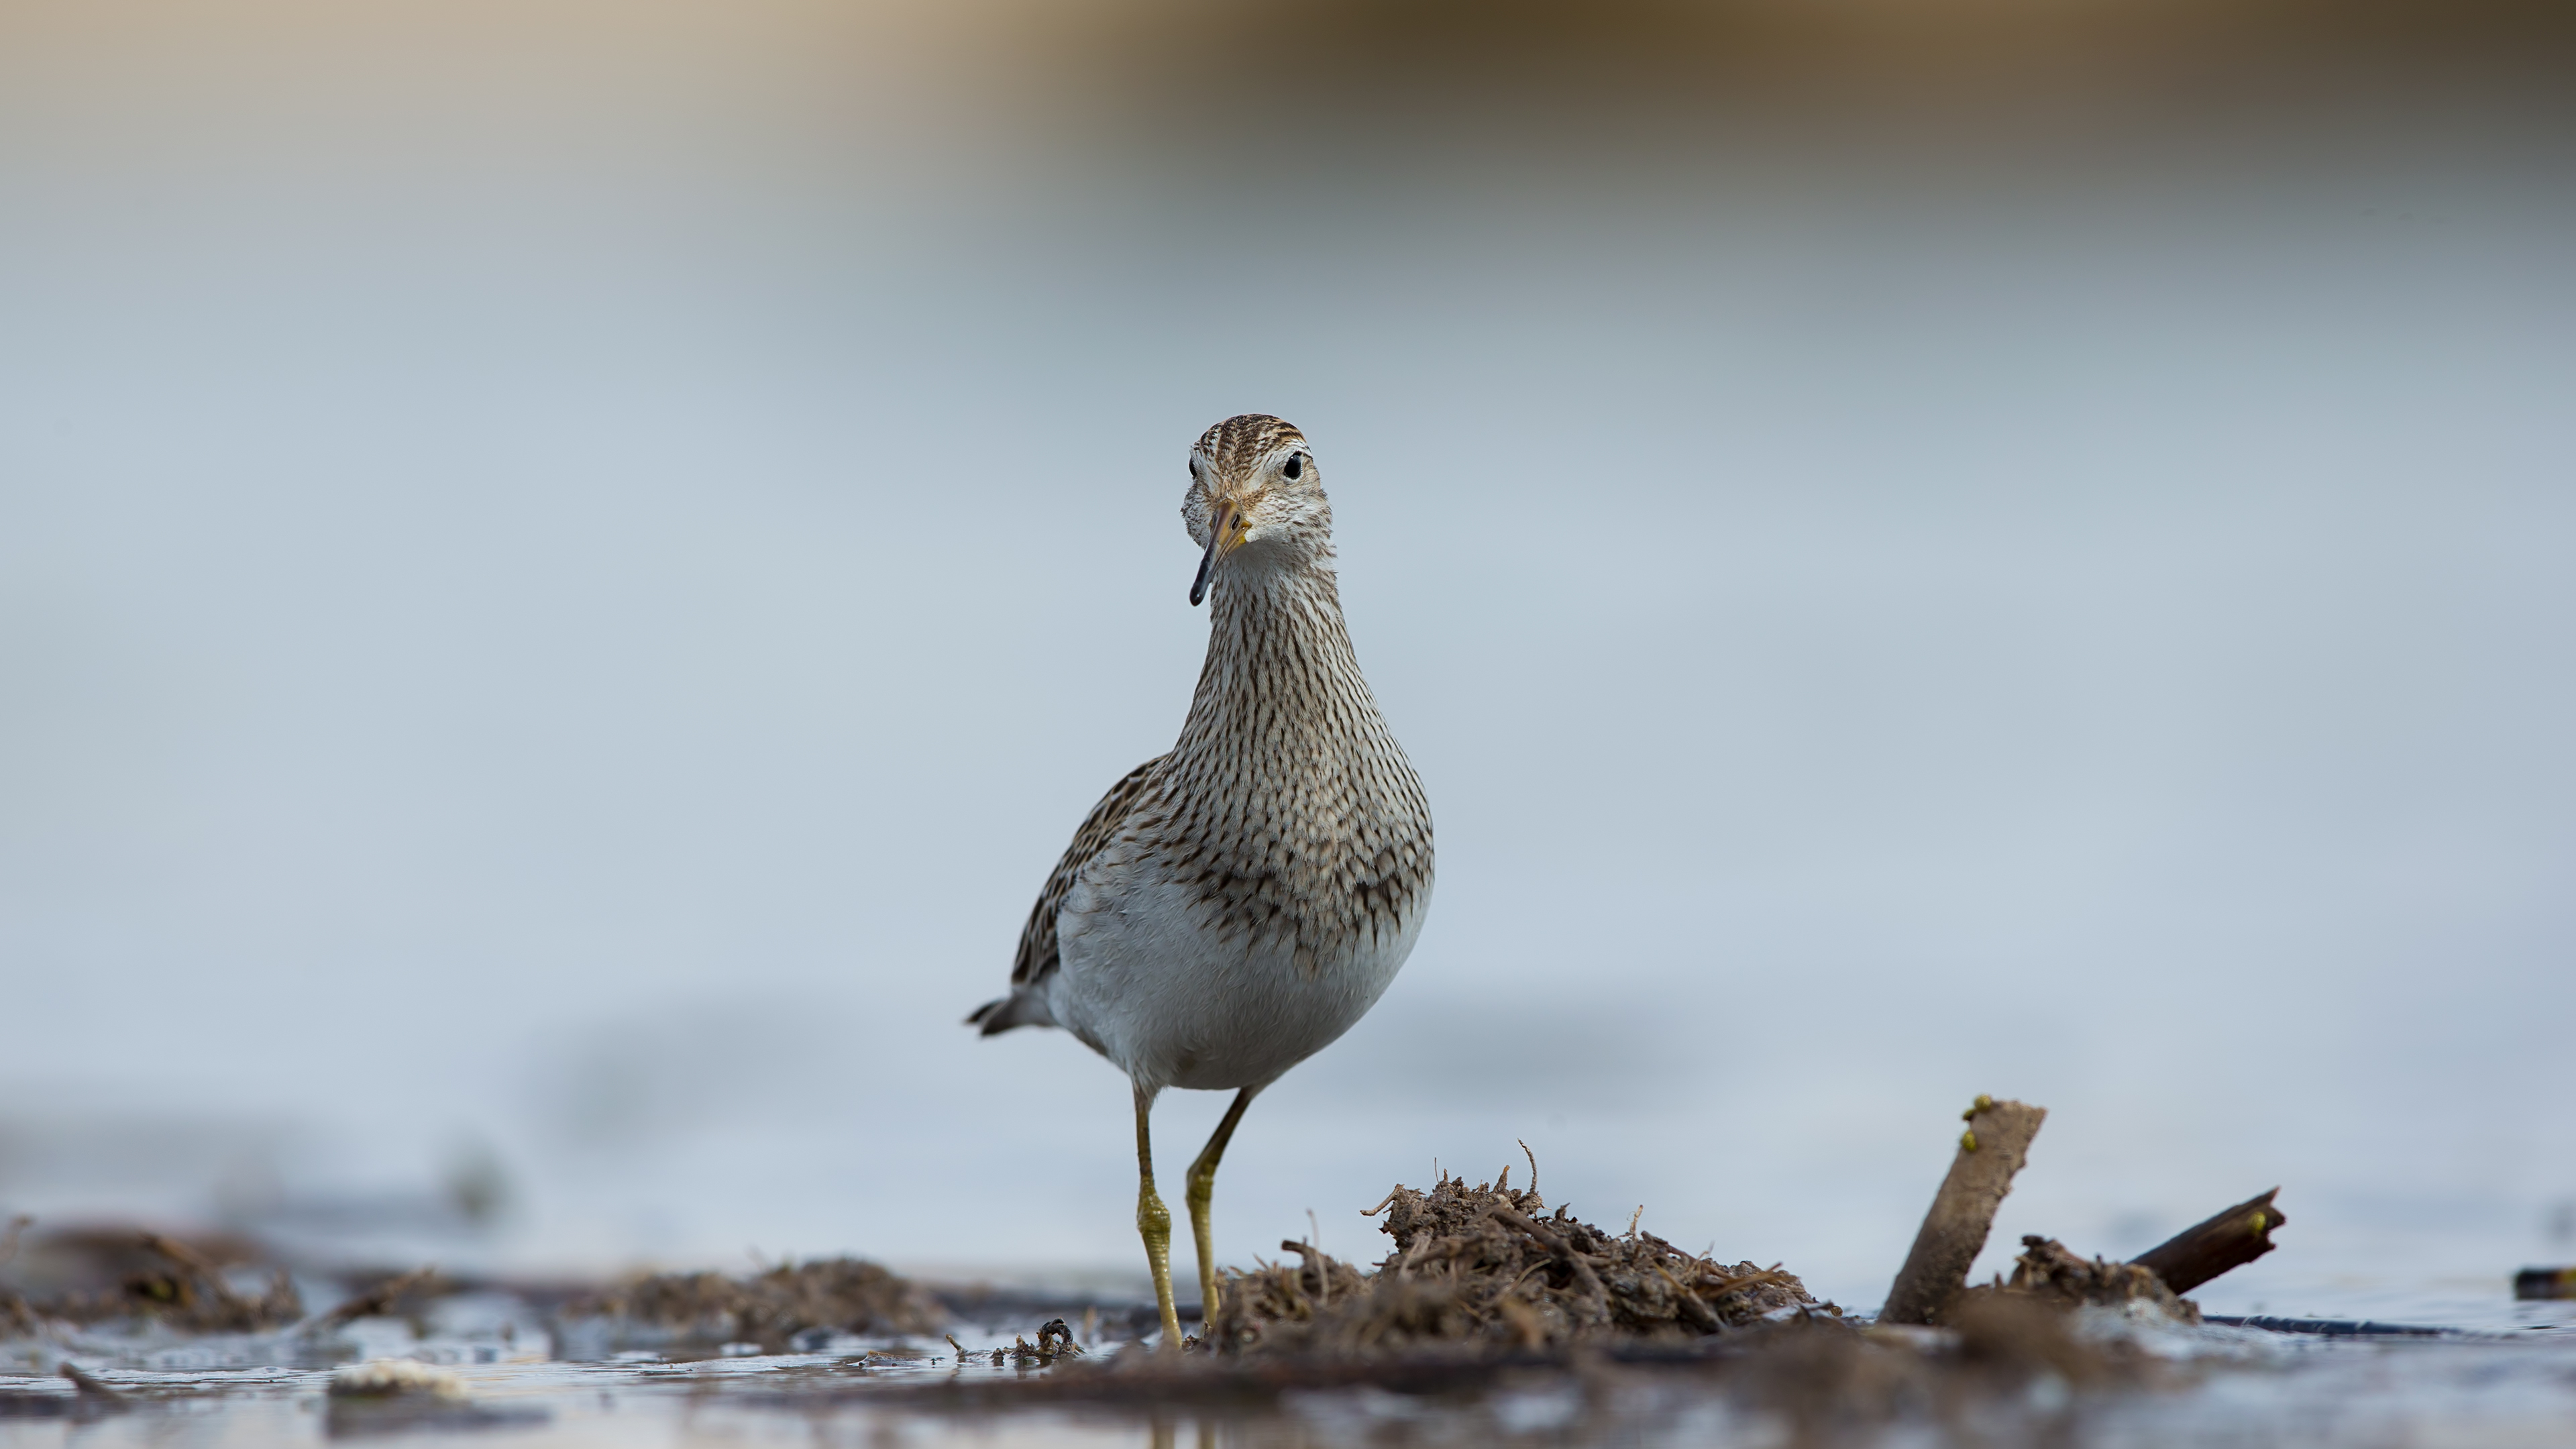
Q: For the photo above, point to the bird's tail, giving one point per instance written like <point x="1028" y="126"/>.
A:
<point x="1022" y="1007"/>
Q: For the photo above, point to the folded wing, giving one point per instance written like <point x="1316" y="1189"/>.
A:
<point x="1037" y="959"/>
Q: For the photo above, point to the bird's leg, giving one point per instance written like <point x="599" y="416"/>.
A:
<point x="1154" y="1222"/>
<point x="1202" y="1194"/>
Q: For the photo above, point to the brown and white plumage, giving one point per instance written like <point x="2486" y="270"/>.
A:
<point x="1232" y="907"/>
<point x="1037" y="957"/>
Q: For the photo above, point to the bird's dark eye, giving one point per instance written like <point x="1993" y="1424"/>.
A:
<point x="1296" y="465"/>
<point x="1194" y="469"/>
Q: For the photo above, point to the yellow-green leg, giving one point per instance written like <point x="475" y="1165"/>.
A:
<point x="1201" y="1195"/>
<point x="1154" y="1222"/>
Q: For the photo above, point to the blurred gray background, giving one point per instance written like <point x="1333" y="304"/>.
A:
<point x="567" y="569"/>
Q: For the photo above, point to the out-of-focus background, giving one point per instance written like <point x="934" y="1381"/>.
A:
<point x="567" y="568"/>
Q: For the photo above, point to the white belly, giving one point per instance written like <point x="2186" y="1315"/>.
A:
<point x="1148" y="980"/>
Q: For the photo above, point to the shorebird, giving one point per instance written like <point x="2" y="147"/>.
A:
<point x="1232" y="907"/>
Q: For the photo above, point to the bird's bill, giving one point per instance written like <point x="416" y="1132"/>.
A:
<point x="1221" y="541"/>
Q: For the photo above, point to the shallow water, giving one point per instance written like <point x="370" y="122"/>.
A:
<point x="2512" y="1385"/>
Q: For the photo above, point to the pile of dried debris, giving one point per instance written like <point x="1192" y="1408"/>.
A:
<point x="1482" y="1270"/>
<point x="103" y="1276"/>
<point x="2049" y="1272"/>
<point x="1485" y="1269"/>
<point x="1932" y="1288"/>
<point x="849" y="1295"/>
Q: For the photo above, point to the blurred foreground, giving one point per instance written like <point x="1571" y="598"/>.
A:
<point x="1489" y="1320"/>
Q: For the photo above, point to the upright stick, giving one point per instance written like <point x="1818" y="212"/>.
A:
<point x="1993" y="1148"/>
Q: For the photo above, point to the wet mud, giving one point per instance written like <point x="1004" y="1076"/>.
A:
<point x="1491" y="1318"/>
<point x="771" y="1309"/>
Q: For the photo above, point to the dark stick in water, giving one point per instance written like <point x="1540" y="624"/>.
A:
<point x="2204" y="1250"/>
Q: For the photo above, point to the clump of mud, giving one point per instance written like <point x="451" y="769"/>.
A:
<point x="2051" y="1274"/>
<point x="845" y="1294"/>
<point x="102" y="1275"/>
<point x="1486" y="1269"/>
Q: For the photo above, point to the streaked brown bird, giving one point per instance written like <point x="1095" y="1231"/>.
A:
<point x="1232" y="907"/>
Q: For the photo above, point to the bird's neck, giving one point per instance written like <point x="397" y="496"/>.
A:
<point x="1279" y="658"/>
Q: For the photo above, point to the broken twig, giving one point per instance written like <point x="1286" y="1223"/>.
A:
<point x="2204" y="1250"/>
<point x="87" y="1385"/>
<point x="1991" y="1151"/>
<point x="1563" y="1250"/>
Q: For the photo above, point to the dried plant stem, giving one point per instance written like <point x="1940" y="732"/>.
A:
<point x="1991" y="1151"/>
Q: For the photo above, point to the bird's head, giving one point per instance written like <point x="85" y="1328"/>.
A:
<point x="1255" y="499"/>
